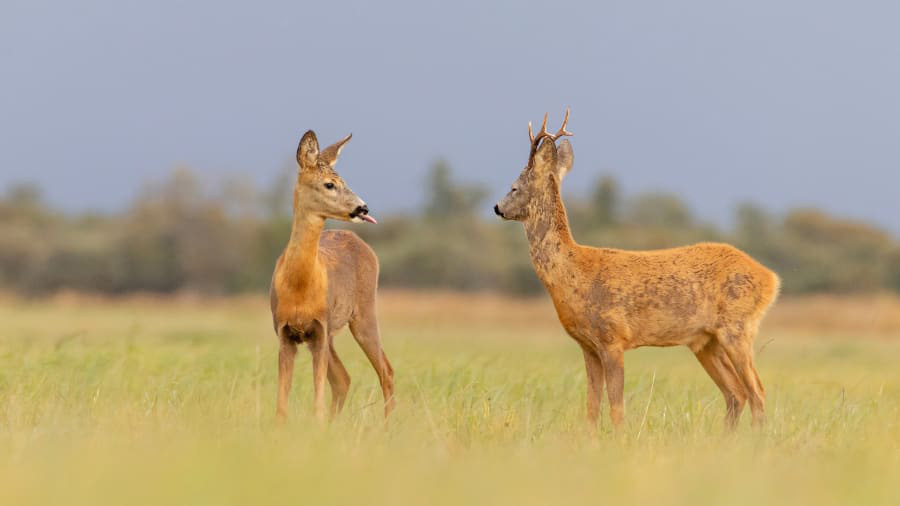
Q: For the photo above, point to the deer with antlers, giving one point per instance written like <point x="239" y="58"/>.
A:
<point x="708" y="297"/>
<point x="325" y="280"/>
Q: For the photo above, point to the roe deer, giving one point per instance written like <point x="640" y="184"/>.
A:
<point x="325" y="280"/>
<point x="709" y="297"/>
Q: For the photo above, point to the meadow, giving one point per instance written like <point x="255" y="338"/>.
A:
<point x="145" y="400"/>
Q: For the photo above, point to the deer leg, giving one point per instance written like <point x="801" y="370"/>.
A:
<point x="338" y="378"/>
<point x="613" y="362"/>
<point x="716" y="363"/>
<point x="365" y="330"/>
<point x="286" y="354"/>
<point x="734" y="379"/>
<point x="595" y="380"/>
<point x="318" y="347"/>
<point x="739" y="349"/>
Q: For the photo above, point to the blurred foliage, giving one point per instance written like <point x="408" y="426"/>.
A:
<point x="179" y="235"/>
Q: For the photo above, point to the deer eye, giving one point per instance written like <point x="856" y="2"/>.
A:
<point x="329" y="186"/>
<point x="514" y="190"/>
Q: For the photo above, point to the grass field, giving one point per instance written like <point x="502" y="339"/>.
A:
<point x="147" y="401"/>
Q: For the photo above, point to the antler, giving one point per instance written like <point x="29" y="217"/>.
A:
<point x="562" y="130"/>
<point x="544" y="133"/>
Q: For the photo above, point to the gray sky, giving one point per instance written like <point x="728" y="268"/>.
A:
<point x="785" y="103"/>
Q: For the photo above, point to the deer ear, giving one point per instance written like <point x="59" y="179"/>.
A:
<point x="308" y="150"/>
<point x="545" y="155"/>
<point x="565" y="158"/>
<point x="330" y="154"/>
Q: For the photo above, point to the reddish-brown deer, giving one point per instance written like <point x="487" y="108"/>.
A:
<point x="325" y="280"/>
<point x="708" y="297"/>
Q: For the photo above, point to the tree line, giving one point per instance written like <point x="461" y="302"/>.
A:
<point x="179" y="236"/>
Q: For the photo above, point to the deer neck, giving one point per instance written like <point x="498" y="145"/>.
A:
<point x="301" y="257"/>
<point x="549" y="238"/>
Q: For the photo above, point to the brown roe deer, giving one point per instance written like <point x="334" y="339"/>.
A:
<point x="708" y="297"/>
<point x="324" y="281"/>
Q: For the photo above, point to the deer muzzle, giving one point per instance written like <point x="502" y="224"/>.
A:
<point x="361" y="213"/>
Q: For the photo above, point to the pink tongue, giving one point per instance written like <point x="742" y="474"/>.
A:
<point x="366" y="217"/>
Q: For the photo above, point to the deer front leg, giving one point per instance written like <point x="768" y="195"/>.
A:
<point x="318" y="347"/>
<point x="595" y="380"/>
<point x="286" y="354"/>
<point x="614" y="369"/>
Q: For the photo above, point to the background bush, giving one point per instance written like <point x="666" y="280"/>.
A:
<point x="179" y="235"/>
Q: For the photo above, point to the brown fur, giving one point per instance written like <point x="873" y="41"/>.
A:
<point x="709" y="297"/>
<point x="324" y="281"/>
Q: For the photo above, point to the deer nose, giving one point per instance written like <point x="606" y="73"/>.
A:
<point x="363" y="209"/>
<point x="497" y="210"/>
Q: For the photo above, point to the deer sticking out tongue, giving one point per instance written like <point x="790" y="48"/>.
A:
<point x="366" y="217"/>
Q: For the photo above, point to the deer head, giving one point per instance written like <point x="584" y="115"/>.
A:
<point x="319" y="189"/>
<point x="547" y="165"/>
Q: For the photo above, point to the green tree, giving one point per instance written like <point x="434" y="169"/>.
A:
<point x="605" y="201"/>
<point x="658" y="210"/>
<point x="446" y="199"/>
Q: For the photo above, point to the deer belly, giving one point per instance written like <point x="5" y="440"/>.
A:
<point x="302" y="332"/>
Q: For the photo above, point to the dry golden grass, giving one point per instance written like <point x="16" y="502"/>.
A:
<point x="800" y="316"/>
<point x="837" y="316"/>
<point x="153" y="400"/>
<point x="815" y="316"/>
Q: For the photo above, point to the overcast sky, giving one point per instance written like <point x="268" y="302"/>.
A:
<point x="785" y="103"/>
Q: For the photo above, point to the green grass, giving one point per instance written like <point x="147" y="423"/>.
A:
<point x="162" y="403"/>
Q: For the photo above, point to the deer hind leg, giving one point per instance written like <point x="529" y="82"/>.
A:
<point x="364" y="328"/>
<point x="738" y="345"/>
<point x="286" y="354"/>
<point x="338" y="378"/>
<point x="717" y="364"/>
<point x="613" y="362"/>
<point x="595" y="380"/>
